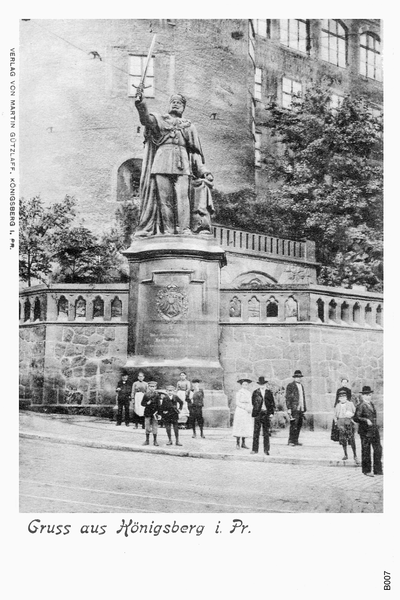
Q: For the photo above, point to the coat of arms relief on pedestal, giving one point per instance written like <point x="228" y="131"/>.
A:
<point x="172" y="303"/>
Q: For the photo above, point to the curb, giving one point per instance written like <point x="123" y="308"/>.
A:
<point x="186" y="454"/>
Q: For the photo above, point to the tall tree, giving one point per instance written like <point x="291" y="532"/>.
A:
<point x="39" y="228"/>
<point x="328" y="187"/>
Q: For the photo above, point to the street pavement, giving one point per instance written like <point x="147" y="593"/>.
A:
<point x="87" y="464"/>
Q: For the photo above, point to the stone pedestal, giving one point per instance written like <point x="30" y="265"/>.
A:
<point x="174" y="314"/>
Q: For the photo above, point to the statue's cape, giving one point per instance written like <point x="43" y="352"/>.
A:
<point x="150" y="215"/>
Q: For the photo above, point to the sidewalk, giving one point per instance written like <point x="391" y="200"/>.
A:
<point x="219" y="443"/>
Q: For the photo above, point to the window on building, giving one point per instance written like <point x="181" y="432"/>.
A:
<point x="290" y="90"/>
<point x="98" y="307"/>
<point x="136" y="66"/>
<point x="257" y="150"/>
<point x="335" y="102"/>
<point x="257" y="83"/>
<point x="370" y="56"/>
<point x="128" y="180"/>
<point x="379" y="315"/>
<point x="294" y="34"/>
<point x="116" y="308"/>
<point x="262" y="27"/>
<point x="334" y="42"/>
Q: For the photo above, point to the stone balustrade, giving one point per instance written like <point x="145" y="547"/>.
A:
<point x="311" y="304"/>
<point x="257" y="244"/>
<point x="79" y="303"/>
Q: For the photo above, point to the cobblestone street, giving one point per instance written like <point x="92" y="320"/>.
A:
<point x="64" y="477"/>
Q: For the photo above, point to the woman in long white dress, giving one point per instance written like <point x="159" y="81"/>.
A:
<point x="242" y="419"/>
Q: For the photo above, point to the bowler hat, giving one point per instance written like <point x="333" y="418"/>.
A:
<point x="244" y="379"/>
<point x="262" y="380"/>
<point x="366" y="390"/>
<point x="196" y="380"/>
<point x="297" y="373"/>
<point x="342" y="393"/>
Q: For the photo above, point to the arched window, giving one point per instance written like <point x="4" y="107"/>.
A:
<point x="98" y="307"/>
<point x="379" y="316"/>
<point x="36" y="310"/>
<point x="128" y="180"/>
<point x="370" y="56"/>
<point x="62" y="308"/>
<point x="294" y="33"/>
<point x="357" y="313"/>
<point x="116" y="308"/>
<point x="320" y="309"/>
<point x="27" y="310"/>
<point x="332" y="311"/>
<point x="334" y="42"/>
<point x="344" y="312"/>
<point x="272" y="308"/>
<point x="80" y="308"/>
<point x="254" y="308"/>
<point x="368" y="314"/>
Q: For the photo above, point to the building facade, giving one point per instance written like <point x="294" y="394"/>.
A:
<point x="80" y="132"/>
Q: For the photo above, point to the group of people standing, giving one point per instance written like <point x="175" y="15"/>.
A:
<point x="348" y="410"/>
<point x="176" y="404"/>
<point x="254" y="411"/>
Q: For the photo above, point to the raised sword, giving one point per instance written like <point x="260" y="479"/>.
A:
<point x="142" y="86"/>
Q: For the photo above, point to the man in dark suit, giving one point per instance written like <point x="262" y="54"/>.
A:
<point x="296" y="407"/>
<point x="124" y="390"/>
<point x="263" y="407"/>
<point x="369" y="433"/>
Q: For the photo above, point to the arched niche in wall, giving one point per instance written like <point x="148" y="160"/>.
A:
<point x="235" y="308"/>
<point x="128" y="180"/>
<point x="80" y="308"/>
<point x="62" y="308"/>
<point x="272" y="308"/>
<point x="116" y="308"/>
<point x="37" y="310"/>
<point x="253" y="280"/>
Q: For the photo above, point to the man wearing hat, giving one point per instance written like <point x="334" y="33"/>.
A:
<point x="151" y="403"/>
<point x="369" y="433"/>
<point x="263" y="407"/>
<point x="196" y="403"/>
<point x="170" y="406"/>
<point x="296" y="407"/>
<point x="124" y="390"/>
